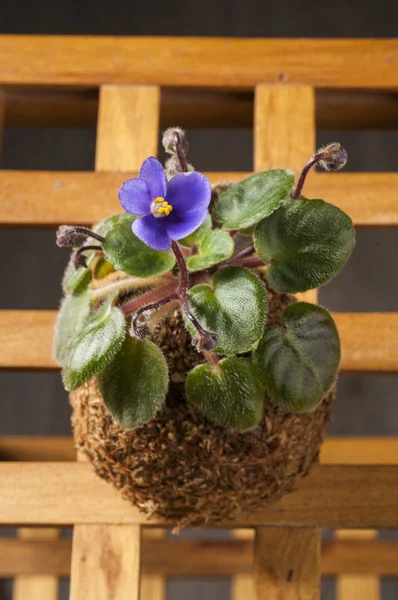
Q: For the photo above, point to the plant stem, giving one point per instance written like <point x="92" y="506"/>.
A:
<point x="149" y="297"/>
<point x="244" y="252"/>
<point x="126" y="284"/>
<point x="90" y="233"/>
<point x="181" y="154"/>
<point x="135" y="325"/>
<point x="79" y="260"/>
<point x="313" y="161"/>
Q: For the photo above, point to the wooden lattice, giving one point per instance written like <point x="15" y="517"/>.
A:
<point x="143" y="83"/>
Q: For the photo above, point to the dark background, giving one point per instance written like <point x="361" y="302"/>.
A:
<point x="31" y="265"/>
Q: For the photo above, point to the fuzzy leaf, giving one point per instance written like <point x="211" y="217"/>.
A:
<point x="308" y="241"/>
<point x="75" y="281"/>
<point x="298" y="365"/>
<point x="126" y="252"/>
<point x="234" y="307"/>
<point x="215" y="247"/>
<point x="134" y="385"/>
<point x="73" y="313"/>
<point x="96" y="345"/>
<point x="230" y="394"/>
<point x="254" y="198"/>
<point x="197" y="236"/>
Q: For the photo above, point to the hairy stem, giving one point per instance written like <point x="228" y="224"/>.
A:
<point x="79" y="260"/>
<point x="125" y="285"/>
<point x="141" y="330"/>
<point x="90" y="233"/>
<point x="181" y="153"/>
<point x="148" y="298"/>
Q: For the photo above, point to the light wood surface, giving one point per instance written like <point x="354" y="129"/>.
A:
<point x="128" y="125"/>
<point x="51" y="198"/>
<point x="196" y="107"/>
<point x="284" y="127"/>
<point x="333" y="497"/>
<point x="179" y="61"/>
<point x="106" y="562"/>
<point x="2" y="118"/>
<point x="286" y="563"/>
<point x="200" y="558"/>
<point x="367" y="450"/>
<point x="354" y="586"/>
<point x="34" y="586"/>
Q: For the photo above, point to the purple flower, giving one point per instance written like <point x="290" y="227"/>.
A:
<point x="167" y="210"/>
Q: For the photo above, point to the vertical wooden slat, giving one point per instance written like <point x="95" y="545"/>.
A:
<point x="127" y="133"/>
<point x="286" y="564"/>
<point x="357" y="587"/>
<point x="2" y="118"/>
<point x="128" y="127"/>
<point x="284" y="137"/>
<point x="36" y="587"/>
<point x="105" y="562"/>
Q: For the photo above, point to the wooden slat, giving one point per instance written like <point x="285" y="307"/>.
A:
<point x="2" y="118"/>
<point x="360" y="497"/>
<point x="190" y="108"/>
<point x="30" y="198"/>
<point x="367" y="450"/>
<point x="369" y="340"/>
<point x="35" y="586"/>
<point x="106" y="562"/>
<point x="284" y="127"/>
<point x="200" y="558"/>
<point x="284" y="137"/>
<point x="128" y="124"/>
<point x="286" y="564"/>
<point x="238" y="63"/>
<point x="357" y="587"/>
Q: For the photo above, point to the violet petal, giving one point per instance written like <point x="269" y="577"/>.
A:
<point x="189" y="191"/>
<point x="135" y="198"/>
<point x="180" y="224"/>
<point x="152" y="232"/>
<point x="152" y="172"/>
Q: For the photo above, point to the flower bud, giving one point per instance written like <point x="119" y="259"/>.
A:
<point x="173" y="166"/>
<point x="170" y="138"/>
<point x="67" y="235"/>
<point x="334" y="157"/>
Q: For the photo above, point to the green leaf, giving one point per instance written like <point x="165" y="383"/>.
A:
<point x="134" y="385"/>
<point x="197" y="236"/>
<point x="254" y="198"/>
<point x="229" y="394"/>
<point x="215" y="247"/>
<point x="127" y="253"/>
<point x="308" y="242"/>
<point x="95" y="346"/>
<point x="233" y="306"/>
<point x="71" y="318"/>
<point x="298" y="364"/>
<point x="75" y="281"/>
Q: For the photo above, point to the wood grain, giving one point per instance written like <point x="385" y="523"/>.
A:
<point x="333" y="497"/>
<point x="180" y="61"/>
<point x="106" y="562"/>
<point x="128" y="124"/>
<point x="2" y="118"/>
<point x="35" y="586"/>
<point x="200" y="558"/>
<point x="286" y="563"/>
<point x="354" y="586"/>
<point x="31" y="198"/>
<point x="284" y="127"/>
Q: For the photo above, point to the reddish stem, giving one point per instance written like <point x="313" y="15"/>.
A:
<point x="148" y="298"/>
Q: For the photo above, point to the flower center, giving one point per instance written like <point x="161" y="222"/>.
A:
<point x="160" y="208"/>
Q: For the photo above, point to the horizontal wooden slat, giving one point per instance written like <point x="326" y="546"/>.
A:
<point x="236" y="63"/>
<point x="335" y="450"/>
<point x="335" y="109"/>
<point x="198" y="558"/>
<point x="359" y="497"/>
<point x="369" y="340"/>
<point x="55" y="197"/>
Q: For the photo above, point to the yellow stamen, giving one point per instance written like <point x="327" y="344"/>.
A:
<point x="163" y="210"/>
<point x="159" y="200"/>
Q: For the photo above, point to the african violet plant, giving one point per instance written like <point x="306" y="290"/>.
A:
<point x="216" y="254"/>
